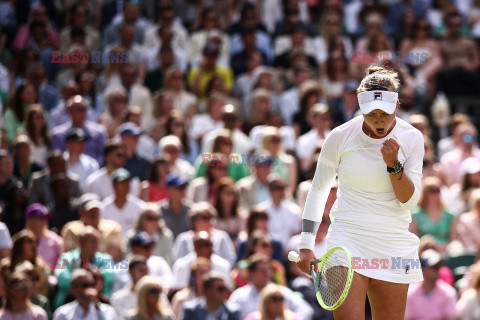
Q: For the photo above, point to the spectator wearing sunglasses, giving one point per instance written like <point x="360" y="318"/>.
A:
<point x="149" y="304"/>
<point x="272" y="305"/>
<point x="17" y="300"/>
<point x="214" y="303"/>
<point x="85" y="304"/>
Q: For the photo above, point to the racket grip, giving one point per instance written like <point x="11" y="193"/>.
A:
<point x="293" y="256"/>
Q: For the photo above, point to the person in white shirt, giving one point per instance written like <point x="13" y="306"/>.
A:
<point x="172" y="147"/>
<point x="203" y="249"/>
<point x="284" y="216"/>
<point x="5" y="241"/>
<point x="204" y="123"/>
<point x="78" y="162"/>
<point x="378" y="159"/>
<point x="260" y="274"/>
<point x="142" y="244"/>
<point x="125" y="299"/>
<point x="122" y="206"/>
<point x="320" y="119"/>
<point x="100" y="182"/>
<point x="84" y="307"/>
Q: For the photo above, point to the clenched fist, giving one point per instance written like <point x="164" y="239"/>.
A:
<point x="390" y="152"/>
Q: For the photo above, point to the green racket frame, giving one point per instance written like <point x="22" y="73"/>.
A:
<point x="316" y="279"/>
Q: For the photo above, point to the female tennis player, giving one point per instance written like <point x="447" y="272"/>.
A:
<point x="378" y="161"/>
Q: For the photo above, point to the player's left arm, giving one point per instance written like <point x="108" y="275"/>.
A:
<point x="406" y="184"/>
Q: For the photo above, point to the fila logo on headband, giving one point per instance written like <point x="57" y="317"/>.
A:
<point x="377" y="96"/>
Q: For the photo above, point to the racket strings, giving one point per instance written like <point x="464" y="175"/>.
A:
<point x="333" y="277"/>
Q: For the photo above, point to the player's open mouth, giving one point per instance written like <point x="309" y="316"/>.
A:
<point x="380" y="131"/>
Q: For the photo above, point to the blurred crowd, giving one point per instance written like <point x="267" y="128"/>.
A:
<point x="156" y="155"/>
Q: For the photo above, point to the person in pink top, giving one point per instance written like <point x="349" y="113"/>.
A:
<point x="23" y="36"/>
<point x="17" y="300"/>
<point x="450" y="163"/>
<point x="468" y="227"/>
<point x="49" y="243"/>
<point x="431" y="299"/>
<point x="272" y="305"/>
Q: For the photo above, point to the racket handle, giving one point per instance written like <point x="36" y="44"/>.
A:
<point x="293" y="256"/>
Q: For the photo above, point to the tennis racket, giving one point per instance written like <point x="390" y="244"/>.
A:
<point x="334" y="277"/>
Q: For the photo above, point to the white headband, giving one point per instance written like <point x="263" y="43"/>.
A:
<point x="383" y="100"/>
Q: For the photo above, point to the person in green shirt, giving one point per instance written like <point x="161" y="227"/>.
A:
<point x="86" y="256"/>
<point x="431" y="216"/>
<point x="17" y="107"/>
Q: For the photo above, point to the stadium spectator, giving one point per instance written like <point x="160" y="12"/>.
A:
<point x="90" y="215"/>
<point x="100" y="182"/>
<point x="49" y="243"/>
<point x="5" y="242"/>
<point x="432" y="297"/>
<point x="289" y="99"/>
<point x="23" y="167"/>
<point x="202" y="243"/>
<point x="47" y="94"/>
<point x="84" y="291"/>
<point x="260" y="274"/>
<point x="184" y="101"/>
<point x="151" y="222"/>
<point x="17" y="303"/>
<point x="39" y="188"/>
<point x="64" y="206"/>
<point x="272" y="305"/>
<point x="134" y="163"/>
<point x="79" y="163"/>
<point x="141" y="243"/>
<point x="122" y="207"/>
<point x="468" y="224"/>
<point x="171" y="147"/>
<point x="200" y="217"/>
<point x="200" y="267"/>
<point x="204" y="123"/>
<point x="176" y="125"/>
<point x="149" y="305"/>
<point x="214" y="301"/>
<point x="116" y="100"/>
<point x="154" y="188"/>
<point x="79" y="19"/>
<point x="96" y="134"/>
<point x="125" y="299"/>
<point x="87" y="255"/>
<point x="37" y="131"/>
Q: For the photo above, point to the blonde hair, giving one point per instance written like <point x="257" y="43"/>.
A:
<point x="268" y="134"/>
<point x="379" y="78"/>
<point x="428" y="184"/>
<point x="265" y="295"/>
<point x="474" y="198"/>
<point x="142" y="288"/>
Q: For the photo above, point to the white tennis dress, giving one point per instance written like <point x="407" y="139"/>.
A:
<point x="367" y="218"/>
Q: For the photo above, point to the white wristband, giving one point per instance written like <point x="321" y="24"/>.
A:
<point x="307" y="240"/>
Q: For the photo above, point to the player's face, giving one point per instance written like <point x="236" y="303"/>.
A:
<point x="378" y="123"/>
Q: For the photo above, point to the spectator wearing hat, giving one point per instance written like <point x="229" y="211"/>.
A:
<point x="95" y="133"/>
<point x="200" y="217"/>
<point x="100" y="182"/>
<point x="241" y="142"/>
<point x="151" y="221"/>
<point x="86" y="256"/>
<point x="432" y="298"/>
<point x="23" y="166"/>
<point x="78" y="162"/>
<point x="64" y="207"/>
<point x="203" y="248"/>
<point x="90" y="215"/>
<point x="125" y="299"/>
<point x="142" y="244"/>
<point x="289" y="102"/>
<point x="49" y="243"/>
<point x="254" y="188"/>
<point x="135" y="164"/>
<point x="171" y="146"/>
<point x="122" y="207"/>
<point x="284" y="215"/>
<point x="39" y="188"/>
<point x="84" y="304"/>
<point x="175" y="208"/>
<point x="201" y="75"/>
<point x="320" y="120"/>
